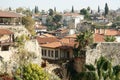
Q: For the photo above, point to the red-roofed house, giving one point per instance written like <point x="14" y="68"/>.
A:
<point x="6" y="39"/>
<point x="100" y="34"/>
<point x="61" y="49"/>
<point x="76" y="17"/>
<point x="10" y="17"/>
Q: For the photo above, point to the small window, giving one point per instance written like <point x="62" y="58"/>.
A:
<point x="5" y="48"/>
<point x="68" y="54"/>
<point x="49" y="53"/>
<point x="45" y="52"/>
<point x="56" y="53"/>
<point x="42" y="52"/>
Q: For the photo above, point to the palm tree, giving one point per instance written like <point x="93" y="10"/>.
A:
<point x="109" y="38"/>
<point x="103" y="70"/>
<point x="84" y="39"/>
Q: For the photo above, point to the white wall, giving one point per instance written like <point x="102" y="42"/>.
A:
<point x="117" y="38"/>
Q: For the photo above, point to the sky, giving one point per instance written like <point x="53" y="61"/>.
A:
<point x="60" y="4"/>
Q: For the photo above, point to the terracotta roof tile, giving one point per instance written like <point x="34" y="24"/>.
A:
<point x="5" y="31"/>
<point x="47" y="35"/>
<point x="110" y="32"/>
<point x="9" y="14"/>
<point x="98" y="38"/>
<point x="46" y="40"/>
<point x="63" y="43"/>
<point x="52" y="45"/>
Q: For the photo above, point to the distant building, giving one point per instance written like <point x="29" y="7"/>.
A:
<point x="6" y="44"/>
<point x="44" y="18"/>
<point x="100" y="34"/>
<point x="75" y="17"/>
<point x="10" y="18"/>
<point x="53" y="48"/>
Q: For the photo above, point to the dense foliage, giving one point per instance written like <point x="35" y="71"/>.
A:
<point x="31" y="72"/>
<point x="84" y="39"/>
<point x="109" y="38"/>
<point x="106" y="9"/>
<point x="28" y="22"/>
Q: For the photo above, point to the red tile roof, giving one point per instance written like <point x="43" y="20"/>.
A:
<point x="110" y="32"/>
<point x="63" y="43"/>
<point x="5" y="31"/>
<point x="46" y="35"/>
<point x="99" y="38"/>
<point x="46" y="40"/>
<point x="7" y="14"/>
<point x="52" y="45"/>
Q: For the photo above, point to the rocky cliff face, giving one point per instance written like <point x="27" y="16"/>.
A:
<point x="108" y="49"/>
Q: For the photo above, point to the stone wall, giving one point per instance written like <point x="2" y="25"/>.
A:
<point x="33" y="47"/>
<point x="108" y="49"/>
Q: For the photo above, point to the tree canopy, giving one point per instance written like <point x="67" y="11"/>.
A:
<point x="72" y="9"/>
<point x="106" y="9"/>
<point x="109" y="38"/>
<point x="31" y="72"/>
<point x="51" y="12"/>
<point x="36" y="10"/>
<point x="98" y="9"/>
<point x="28" y="22"/>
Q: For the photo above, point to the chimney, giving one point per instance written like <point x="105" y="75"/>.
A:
<point x="101" y="31"/>
<point x="104" y="31"/>
<point x="95" y="31"/>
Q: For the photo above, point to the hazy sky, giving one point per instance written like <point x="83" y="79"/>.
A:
<point x="60" y="4"/>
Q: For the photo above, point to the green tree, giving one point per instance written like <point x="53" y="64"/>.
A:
<point x="102" y="70"/>
<point x="84" y="39"/>
<point x="55" y="10"/>
<point x="72" y="9"/>
<point x="51" y="12"/>
<point x="19" y="10"/>
<point x="88" y="8"/>
<point x="10" y="9"/>
<point x="28" y="22"/>
<point x="98" y="9"/>
<point x="43" y="12"/>
<point x="32" y="72"/>
<point x="106" y="9"/>
<point x="36" y="10"/>
<point x="53" y="22"/>
<point x="118" y="18"/>
<point x="57" y="18"/>
<point x="109" y="38"/>
<point x="85" y="13"/>
<point x="27" y="12"/>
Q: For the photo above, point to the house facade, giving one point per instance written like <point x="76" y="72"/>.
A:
<point x="52" y="48"/>
<point x="6" y="39"/>
<point x="100" y="34"/>
<point x="56" y="52"/>
<point x="74" y="17"/>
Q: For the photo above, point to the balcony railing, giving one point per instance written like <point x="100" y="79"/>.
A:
<point x="8" y="41"/>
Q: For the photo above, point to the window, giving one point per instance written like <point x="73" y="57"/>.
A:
<point x="42" y="52"/>
<point x="68" y="54"/>
<point x="56" y="53"/>
<point x="5" y="48"/>
<point x="45" y="52"/>
<point x="49" y="53"/>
